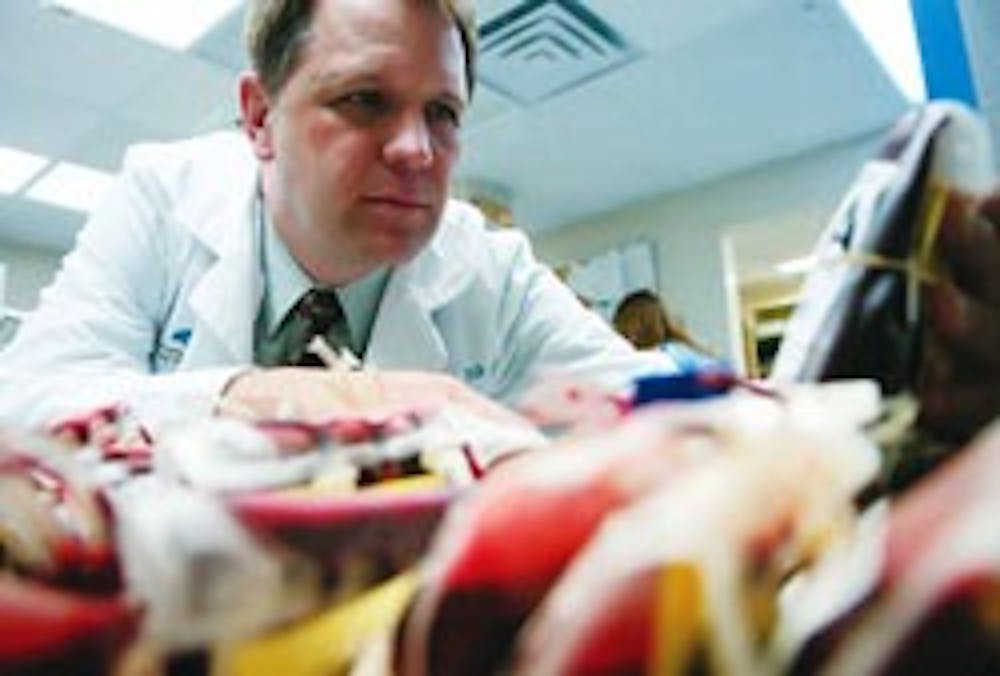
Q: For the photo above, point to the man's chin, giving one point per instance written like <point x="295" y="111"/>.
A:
<point x="396" y="250"/>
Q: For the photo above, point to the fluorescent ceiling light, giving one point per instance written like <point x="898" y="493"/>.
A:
<point x="70" y="186"/>
<point x="887" y="26"/>
<point x="796" y="266"/>
<point x="17" y="168"/>
<point x="172" y="23"/>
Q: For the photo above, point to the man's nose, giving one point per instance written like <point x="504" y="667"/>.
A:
<point x="410" y="145"/>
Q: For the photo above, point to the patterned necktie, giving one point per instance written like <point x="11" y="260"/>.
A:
<point x="317" y="313"/>
<point x="321" y="312"/>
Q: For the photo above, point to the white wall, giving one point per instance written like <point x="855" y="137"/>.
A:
<point x="981" y="26"/>
<point x="29" y="270"/>
<point x="688" y="227"/>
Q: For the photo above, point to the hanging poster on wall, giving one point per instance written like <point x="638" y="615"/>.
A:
<point x="601" y="281"/>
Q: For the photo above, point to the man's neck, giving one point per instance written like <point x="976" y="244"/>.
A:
<point x="322" y="262"/>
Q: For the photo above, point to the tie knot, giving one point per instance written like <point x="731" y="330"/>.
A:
<point x="321" y="308"/>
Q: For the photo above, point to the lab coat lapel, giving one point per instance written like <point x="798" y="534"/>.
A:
<point x="405" y="335"/>
<point x="226" y="300"/>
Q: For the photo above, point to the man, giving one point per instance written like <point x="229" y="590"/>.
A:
<point x="194" y="266"/>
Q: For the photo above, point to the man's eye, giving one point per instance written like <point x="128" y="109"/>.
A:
<point x="444" y="113"/>
<point x="363" y="105"/>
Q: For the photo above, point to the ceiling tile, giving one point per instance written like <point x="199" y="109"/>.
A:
<point x="103" y="146"/>
<point x="663" y="24"/>
<point x="487" y="106"/>
<point x="40" y="122"/>
<point x="223" y="44"/>
<point x="180" y="96"/>
<point x="73" y="58"/>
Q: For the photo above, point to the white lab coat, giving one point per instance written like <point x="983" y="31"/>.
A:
<point x="158" y="300"/>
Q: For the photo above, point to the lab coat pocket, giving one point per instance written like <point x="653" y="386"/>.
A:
<point x="170" y="350"/>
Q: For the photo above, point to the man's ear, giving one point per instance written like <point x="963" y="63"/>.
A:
<point x="255" y="109"/>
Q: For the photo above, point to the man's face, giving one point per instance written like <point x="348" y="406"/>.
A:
<point x="364" y="135"/>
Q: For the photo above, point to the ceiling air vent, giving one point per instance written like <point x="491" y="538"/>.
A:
<point x="540" y="48"/>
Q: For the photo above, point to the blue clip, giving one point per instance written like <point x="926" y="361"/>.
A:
<point x="181" y="336"/>
<point x="703" y="384"/>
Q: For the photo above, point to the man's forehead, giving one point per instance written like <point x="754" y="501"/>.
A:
<point x="376" y="50"/>
<point x="385" y="23"/>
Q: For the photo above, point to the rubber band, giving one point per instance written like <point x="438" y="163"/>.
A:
<point x="910" y="267"/>
<point x="932" y="218"/>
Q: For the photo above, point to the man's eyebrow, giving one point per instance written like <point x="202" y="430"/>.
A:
<point x="336" y="78"/>
<point x="329" y="78"/>
<point x="454" y="99"/>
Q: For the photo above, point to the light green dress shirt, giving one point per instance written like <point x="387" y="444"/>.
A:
<point x="284" y="283"/>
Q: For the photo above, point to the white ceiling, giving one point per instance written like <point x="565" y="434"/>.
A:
<point x="714" y="92"/>
<point x="719" y="86"/>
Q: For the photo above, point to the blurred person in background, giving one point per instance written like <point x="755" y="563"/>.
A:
<point x="642" y="319"/>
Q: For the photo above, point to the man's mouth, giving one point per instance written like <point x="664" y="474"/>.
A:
<point x="397" y="201"/>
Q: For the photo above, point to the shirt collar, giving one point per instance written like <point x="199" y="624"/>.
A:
<point x="286" y="281"/>
<point x="360" y="300"/>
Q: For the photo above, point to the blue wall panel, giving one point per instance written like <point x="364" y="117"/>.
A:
<point x="943" y="50"/>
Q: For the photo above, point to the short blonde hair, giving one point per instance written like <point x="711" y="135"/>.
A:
<point x="276" y="30"/>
